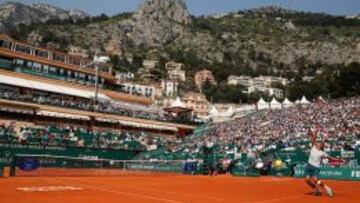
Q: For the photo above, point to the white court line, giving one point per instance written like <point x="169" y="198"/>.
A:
<point x="103" y="189"/>
<point x="52" y="188"/>
<point x="298" y="196"/>
<point x="179" y="193"/>
<point x="168" y="192"/>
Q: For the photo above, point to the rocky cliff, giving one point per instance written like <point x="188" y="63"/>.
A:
<point x="267" y="40"/>
<point x="13" y="14"/>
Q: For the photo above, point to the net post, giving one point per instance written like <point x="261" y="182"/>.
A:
<point x="13" y="165"/>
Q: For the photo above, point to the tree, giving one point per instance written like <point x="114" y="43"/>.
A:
<point x="349" y="80"/>
<point x="224" y="93"/>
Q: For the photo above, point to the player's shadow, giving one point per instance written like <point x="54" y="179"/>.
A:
<point x="312" y="194"/>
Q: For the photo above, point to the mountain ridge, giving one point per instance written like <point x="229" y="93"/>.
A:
<point x="13" y="14"/>
<point x="275" y="41"/>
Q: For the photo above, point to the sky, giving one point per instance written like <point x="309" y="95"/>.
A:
<point x="208" y="7"/>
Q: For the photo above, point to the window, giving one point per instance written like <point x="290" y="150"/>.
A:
<point x="45" y="68"/>
<point x="24" y="49"/>
<point x="29" y="64"/>
<point x="40" y="53"/>
<point x="60" y="58"/>
<point x="19" y="62"/>
<point x="37" y="67"/>
<point x="5" y="44"/>
<point x="53" y="70"/>
<point x="74" y="61"/>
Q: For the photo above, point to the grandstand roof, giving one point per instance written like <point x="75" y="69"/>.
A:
<point x="20" y="82"/>
<point x="177" y="107"/>
<point x="122" y="97"/>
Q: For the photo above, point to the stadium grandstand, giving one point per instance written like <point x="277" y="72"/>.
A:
<point x="47" y="107"/>
<point x="41" y="76"/>
<point x="270" y="135"/>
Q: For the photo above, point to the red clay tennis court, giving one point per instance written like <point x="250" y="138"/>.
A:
<point x="168" y="188"/>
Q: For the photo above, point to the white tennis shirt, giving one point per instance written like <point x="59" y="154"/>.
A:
<point x="316" y="156"/>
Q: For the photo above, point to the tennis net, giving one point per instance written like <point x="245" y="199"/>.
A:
<point x="50" y="165"/>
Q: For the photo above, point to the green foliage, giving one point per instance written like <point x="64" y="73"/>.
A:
<point x="224" y="93"/>
<point x="336" y="81"/>
<point x="311" y="90"/>
<point x="348" y="81"/>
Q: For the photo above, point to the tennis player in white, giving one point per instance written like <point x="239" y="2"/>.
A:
<point x="312" y="169"/>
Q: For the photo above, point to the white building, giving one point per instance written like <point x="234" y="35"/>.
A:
<point x="278" y="93"/>
<point x="170" y="88"/>
<point x="148" y="64"/>
<point x="261" y="81"/>
<point x="138" y="89"/>
<point x="176" y="71"/>
<point x="259" y="84"/>
<point x="240" y="80"/>
<point x="124" y="77"/>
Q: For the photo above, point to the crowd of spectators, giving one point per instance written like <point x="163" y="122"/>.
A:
<point x="337" y="121"/>
<point x="118" y="108"/>
<point x="67" y="136"/>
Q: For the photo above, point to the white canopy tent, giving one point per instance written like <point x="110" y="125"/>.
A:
<point x="178" y="103"/>
<point x="262" y="104"/>
<point x="274" y="104"/>
<point x="218" y="117"/>
<point x="19" y="82"/>
<point x="214" y="111"/>
<point x="244" y="110"/>
<point x="287" y="103"/>
<point x="229" y="112"/>
<point x="249" y="107"/>
<point x="304" y="100"/>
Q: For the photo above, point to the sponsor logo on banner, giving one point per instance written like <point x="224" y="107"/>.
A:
<point x="355" y="174"/>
